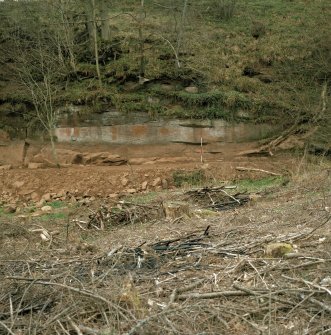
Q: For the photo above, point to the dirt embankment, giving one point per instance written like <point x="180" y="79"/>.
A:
<point x="28" y="171"/>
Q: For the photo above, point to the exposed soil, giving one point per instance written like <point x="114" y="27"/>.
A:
<point x="149" y="164"/>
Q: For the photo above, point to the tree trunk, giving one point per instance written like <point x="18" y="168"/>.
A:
<point x="141" y="40"/>
<point x="105" y="22"/>
<point x="95" y="40"/>
<point x="56" y="159"/>
<point x="90" y="24"/>
<point x="181" y="30"/>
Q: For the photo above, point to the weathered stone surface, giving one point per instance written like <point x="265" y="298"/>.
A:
<point x="46" y="209"/>
<point x="191" y="89"/>
<point x="46" y="197"/>
<point x="144" y="185"/>
<point x="124" y="181"/>
<point x="34" y="196"/>
<point x="64" y="157"/>
<point x="131" y="191"/>
<point x="33" y="165"/>
<point x="103" y="158"/>
<point x="156" y="182"/>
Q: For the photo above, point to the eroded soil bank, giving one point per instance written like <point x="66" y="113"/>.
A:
<point x="28" y="171"/>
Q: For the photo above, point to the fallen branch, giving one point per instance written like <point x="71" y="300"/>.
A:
<point x="211" y="295"/>
<point x="70" y="288"/>
<point x="320" y="304"/>
<point x="240" y="168"/>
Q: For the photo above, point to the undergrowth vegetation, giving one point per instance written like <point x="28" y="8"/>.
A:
<point x="267" y="59"/>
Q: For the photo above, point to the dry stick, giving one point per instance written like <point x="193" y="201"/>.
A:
<point x="320" y="304"/>
<point x="74" y="289"/>
<point x="8" y="329"/>
<point x="177" y="291"/>
<point x="62" y="327"/>
<point x="240" y="168"/>
<point x="167" y="310"/>
<point x="73" y="325"/>
<point x="255" y="326"/>
<point x="251" y="292"/>
<point x="300" y="303"/>
<point x="211" y="295"/>
<point x="258" y="273"/>
<point x="309" y="283"/>
<point x="57" y="316"/>
<point x="230" y="196"/>
<point x="91" y="331"/>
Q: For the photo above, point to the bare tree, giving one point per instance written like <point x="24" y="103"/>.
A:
<point x="40" y="77"/>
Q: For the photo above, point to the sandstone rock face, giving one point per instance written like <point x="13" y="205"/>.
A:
<point x="68" y="157"/>
<point x="103" y="158"/>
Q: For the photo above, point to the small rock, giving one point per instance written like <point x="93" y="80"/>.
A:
<point x="156" y="182"/>
<point x="164" y="184"/>
<point x="34" y="196"/>
<point x="36" y="165"/>
<point x="40" y="203"/>
<point x="191" y="89"/>
<point x="46" y="197"/>
<point x="124" y="181"/>
<point x="144" y="185"/>
<point x="46" y="209"/>
<point x="131" y="190"/>
<point x="113" y="196"/>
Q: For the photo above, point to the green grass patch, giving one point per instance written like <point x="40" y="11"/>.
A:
<point x="57" y="204"/>
<point x="259" y="185"/>
<point x="54" y="216"/>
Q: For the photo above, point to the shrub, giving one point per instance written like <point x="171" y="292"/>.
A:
<point x="181" y="178"/>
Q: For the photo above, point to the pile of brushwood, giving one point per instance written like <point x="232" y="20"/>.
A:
<point x="125" y="212"/>
<point x="215" y="279"/>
